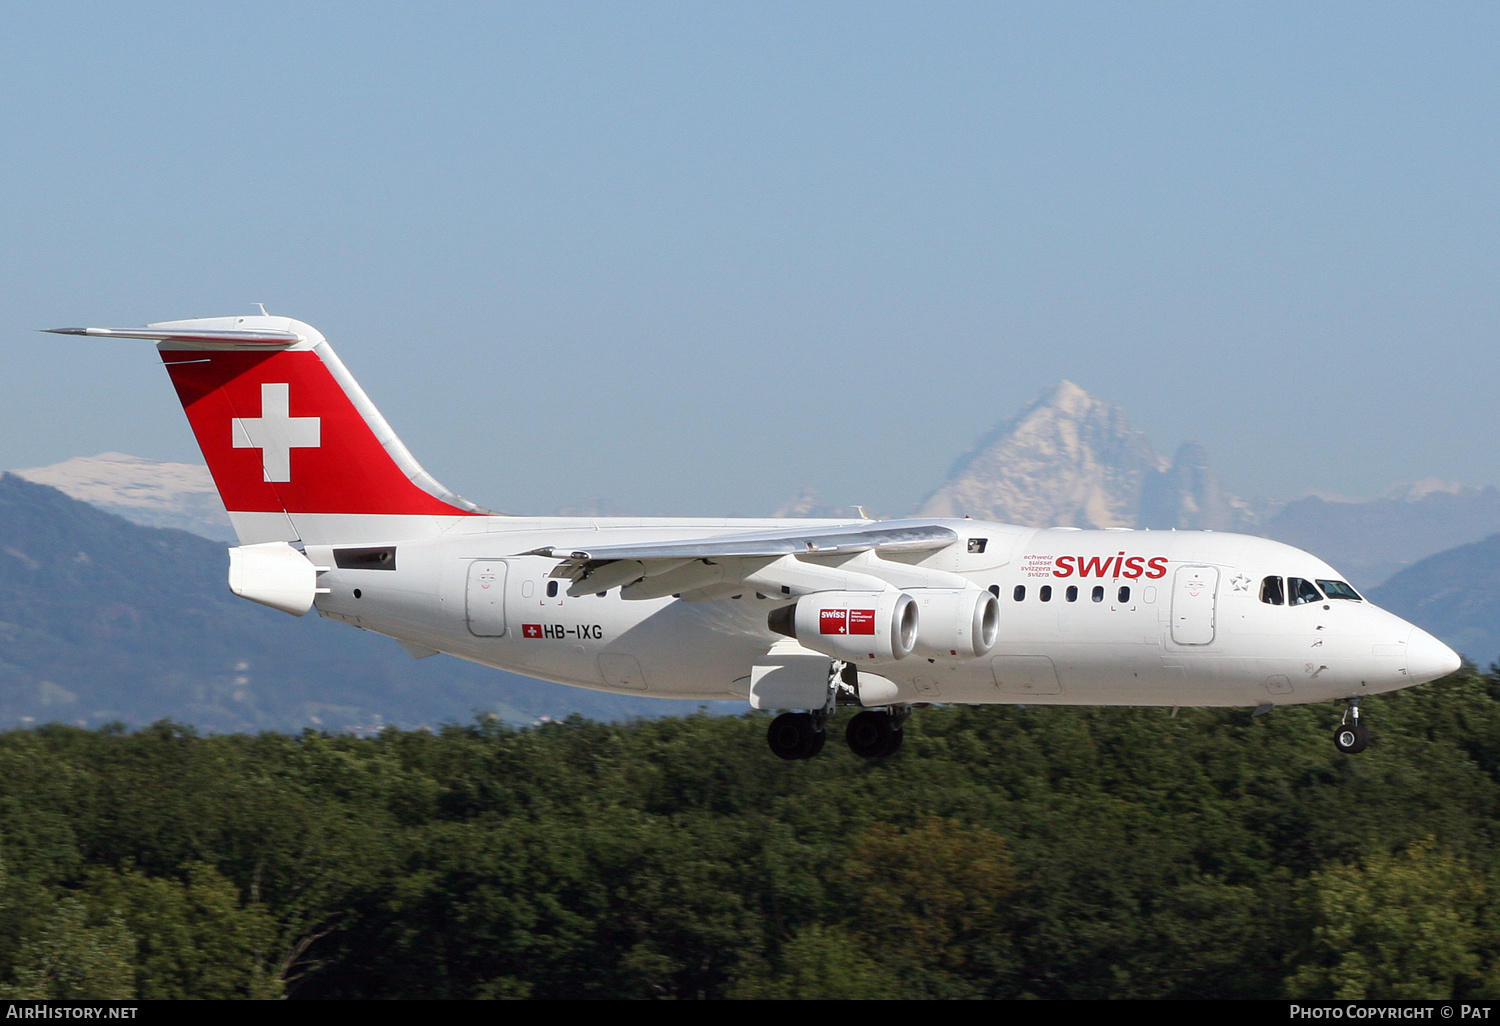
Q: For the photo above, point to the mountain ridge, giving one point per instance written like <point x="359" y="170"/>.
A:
<point x="103" y="620"/>
<point x="1071" y="459"/>
<point x="1455" y="594"/>
<point x="147" y="492"/>
<point x="1067" y="459"/>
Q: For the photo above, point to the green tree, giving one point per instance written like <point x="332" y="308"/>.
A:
<point x="1401" y="927"/>
<point x="823" y="962"/>
<point x="931" y="901"/>
<point x="73" y="958"/>
<point x="195" y="938"/>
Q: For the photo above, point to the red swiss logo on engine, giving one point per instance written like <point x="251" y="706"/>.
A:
<point x="846" y="621"/>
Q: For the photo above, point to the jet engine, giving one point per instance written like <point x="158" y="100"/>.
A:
<point x="855" y="626"/>
<point x="964" y="623"/>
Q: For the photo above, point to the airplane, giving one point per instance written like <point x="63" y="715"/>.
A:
<point x="804" y="616"/>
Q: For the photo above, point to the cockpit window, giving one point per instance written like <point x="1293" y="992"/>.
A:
<point x="1339" y="590"/>
<point x="1271" y="593"/>
<point x="1301" y="592"/>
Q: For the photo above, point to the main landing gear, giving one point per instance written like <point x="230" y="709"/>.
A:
<point x="871" y="734"/>
<point x="796" y="735"/>
<point x="1351" y="738"/>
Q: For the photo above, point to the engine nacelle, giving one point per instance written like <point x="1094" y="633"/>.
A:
<point x="964" y="624"/>
<point x="855" y="626"/>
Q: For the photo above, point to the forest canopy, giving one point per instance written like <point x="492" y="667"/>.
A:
<point x="1002" y="852"/>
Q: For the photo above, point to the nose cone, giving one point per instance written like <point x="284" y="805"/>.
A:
<point x="1427" y="658"/>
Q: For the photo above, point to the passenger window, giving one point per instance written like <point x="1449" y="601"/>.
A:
<point x="1300" y="592"/>
<point x="1072" y="593"/>
<point x="1020" y="593"/>
<point x="1339" y="590"/>
<point x="1270" y="591"/>
<point x="995" y="590"/>
<point x="1124" y="595"/>
<point x="1098" y="593"/>
<point x="1046" y="593"/>
<point x="552" y="589"/>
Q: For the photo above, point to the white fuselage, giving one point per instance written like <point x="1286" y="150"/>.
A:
<point x="333" y="512"/>
<point x="1158" y="617"/>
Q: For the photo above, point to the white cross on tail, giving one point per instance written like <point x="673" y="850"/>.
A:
<point x="276" y="432"/>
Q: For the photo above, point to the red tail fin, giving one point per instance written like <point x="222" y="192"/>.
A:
<point x="295" y="447"/>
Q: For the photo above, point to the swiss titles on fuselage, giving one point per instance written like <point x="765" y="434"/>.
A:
<point x="1152" y="568"/>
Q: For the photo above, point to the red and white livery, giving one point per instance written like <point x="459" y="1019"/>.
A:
<point x="334" y="514"/>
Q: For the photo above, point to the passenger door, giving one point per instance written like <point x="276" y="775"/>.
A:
<point x="484" y="603"/>
<point x="1194" y="604"/>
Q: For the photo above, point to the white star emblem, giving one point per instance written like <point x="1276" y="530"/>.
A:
<point x="276" y="432"/>
<point x="1240" y="582"/>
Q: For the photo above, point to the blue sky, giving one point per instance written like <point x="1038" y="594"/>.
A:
<point x="690" y="258"/>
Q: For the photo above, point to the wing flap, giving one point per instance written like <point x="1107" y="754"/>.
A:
<point x="765" y="559"/>
<point x="826" y="541"/>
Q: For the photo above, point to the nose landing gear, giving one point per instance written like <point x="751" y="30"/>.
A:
<point x="1351" y="738"/>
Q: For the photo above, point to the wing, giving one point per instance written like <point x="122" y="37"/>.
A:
<point x="792" y="561"/>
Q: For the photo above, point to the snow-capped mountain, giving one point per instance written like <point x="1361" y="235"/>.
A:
<point x="1071" y="459"/>
<point x="147" y="492"/>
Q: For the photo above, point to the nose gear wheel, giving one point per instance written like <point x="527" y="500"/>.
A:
<point x="1351" y="738"/>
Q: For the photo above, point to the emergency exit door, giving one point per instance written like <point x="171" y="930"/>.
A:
<point x="485" y="598"/>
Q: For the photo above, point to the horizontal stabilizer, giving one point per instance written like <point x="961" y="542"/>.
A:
<point x="197" y="338"/>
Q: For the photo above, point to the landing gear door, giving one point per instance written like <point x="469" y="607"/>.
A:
<point x="1194" y="599"/>
<point x="484" y="603"/>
